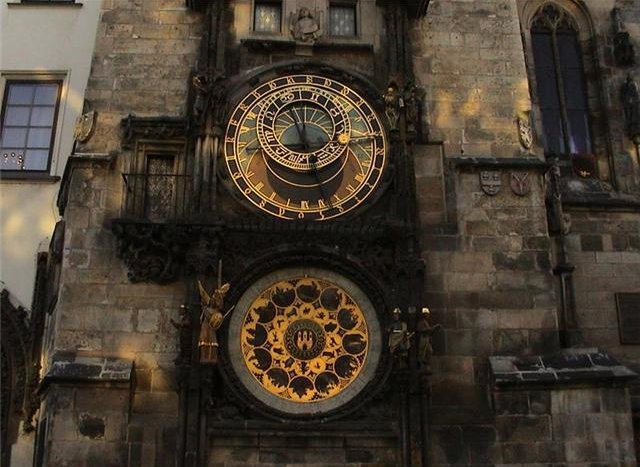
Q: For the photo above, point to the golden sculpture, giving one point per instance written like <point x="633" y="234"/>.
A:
<point x="304" y="339"/>
<point x="210" y="321"/>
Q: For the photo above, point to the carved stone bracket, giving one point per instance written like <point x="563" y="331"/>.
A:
<point x="156" y="128"/>
<point x="152" y="252"/>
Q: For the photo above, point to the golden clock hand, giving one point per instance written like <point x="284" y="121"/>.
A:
<point x="293" y="145"/>
<point x="314" y="167"/>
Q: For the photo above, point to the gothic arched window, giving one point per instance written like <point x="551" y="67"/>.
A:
<point x="561" y="87"/>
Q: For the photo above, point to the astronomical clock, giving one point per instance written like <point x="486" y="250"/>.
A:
<point x="305" y="338"/>
<point x="305" y="147"/>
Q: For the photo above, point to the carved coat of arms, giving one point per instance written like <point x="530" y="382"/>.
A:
<point x="520" y="184"/>
<point x="525" y="133"/>
<point x="490" y="182"/>
<point x="84" y="126"/>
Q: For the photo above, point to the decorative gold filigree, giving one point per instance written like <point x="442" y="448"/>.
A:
<point x="304" y="339"/>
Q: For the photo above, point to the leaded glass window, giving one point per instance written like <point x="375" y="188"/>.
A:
<point x="562" y="94"/>
<point x="29" y="116"/>
<point x="342" y="20"/>
<point x="267" y="16"/>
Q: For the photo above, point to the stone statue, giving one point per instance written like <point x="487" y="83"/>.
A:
<point x="630" y="98"/>
<point x="412" y="110"/>
<point x="202" y="90"/>
<point x="425" y="331"/>
<point x="392" y="104"/>
<point x="184" y="328"/>
<point x="304" y="26"/>
<point x="623" y="50"/>
<point x="210" y="321"/>
<point x="399" y="335"/>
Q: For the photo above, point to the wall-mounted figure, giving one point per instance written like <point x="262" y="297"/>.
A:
<point x="425" y="331"/>
<point x="399" y="336"/>
<point x="210" y="321"/>
<point x="630" y="98"/>
<point x="304" y="26"/>
<point x="623" y="50"/>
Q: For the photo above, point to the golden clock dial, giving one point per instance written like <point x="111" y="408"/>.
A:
<point x="305" y="147"/>
<point x="304" y="340"/>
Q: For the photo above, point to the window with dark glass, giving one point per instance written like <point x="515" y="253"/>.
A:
<point x="267" y="16"/>
<point x="342" y="19"/>
<point x="559" y="74"/>
<point x="29" y="114"/>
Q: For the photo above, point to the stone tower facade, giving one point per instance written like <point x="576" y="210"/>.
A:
<point x="500" y="191"/>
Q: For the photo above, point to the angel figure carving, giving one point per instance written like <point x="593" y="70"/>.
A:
<point x="210" y="321"/>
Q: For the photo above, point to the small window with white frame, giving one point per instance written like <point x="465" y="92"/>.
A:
<point x="29" y="116"/>
<point x="267" y="16"/>
<point x="342" y="19"/>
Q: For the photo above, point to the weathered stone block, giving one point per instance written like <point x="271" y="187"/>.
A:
<point x="540" y="402"/>
<point x="510" y="403"/>
<point x="521" y="428"/>
<point x="578" y="401"/>
<point x="155" y="403"/>
<point x="584" y="451"/>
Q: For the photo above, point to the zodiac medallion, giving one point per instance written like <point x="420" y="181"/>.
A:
<point x="304" y="339"/>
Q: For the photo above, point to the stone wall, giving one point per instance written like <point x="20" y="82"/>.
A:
<point x="489" y="259"/>
<point x="468" y="57"/>
<point x="143" y="56"/>
<point x="101" y="314"/>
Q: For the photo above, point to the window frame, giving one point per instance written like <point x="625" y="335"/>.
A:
<point x="600" y="159"/>
<point x="7" y="81"/>
<point x="254" y="5"/>
<point x="561" y="85"/>
<point x="356" y="19"/>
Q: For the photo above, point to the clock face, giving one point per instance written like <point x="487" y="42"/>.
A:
<point x="304" y="341"/>
<point x="305" y="147"/>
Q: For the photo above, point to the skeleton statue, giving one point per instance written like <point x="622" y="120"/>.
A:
<point x="399" y="336"/>
<point x="304" y="26"/>
<point x="425" y="331"/>
<point x="630" y="98"/>
<point x="411" y="105"/>
<point x="210" y="321"/>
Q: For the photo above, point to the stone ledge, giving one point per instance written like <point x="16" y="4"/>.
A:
<point x="571" y="366"/>
<point x="71" y="368"/>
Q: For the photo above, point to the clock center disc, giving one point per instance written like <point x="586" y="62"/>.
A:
<point x="304" y="339"/>
<point x="303" y="133"/>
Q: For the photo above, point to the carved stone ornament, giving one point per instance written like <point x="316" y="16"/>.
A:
<point x="152" y="252"/>
<point x="525" y="133"/>
<point x="85" y="124"/>
<point x="155" y="128"/>
<point x="305" y="26"/>
<point x="490" y="182"/>
<point x="520" y="183"/>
